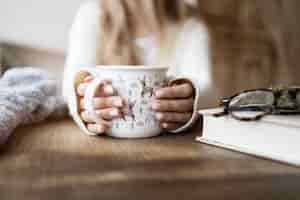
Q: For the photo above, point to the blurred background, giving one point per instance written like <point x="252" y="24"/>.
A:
<point x="35" y="32"/>
<point x="254" y="43"/>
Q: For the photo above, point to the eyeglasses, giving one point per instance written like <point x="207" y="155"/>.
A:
<point x="252" y="105"/>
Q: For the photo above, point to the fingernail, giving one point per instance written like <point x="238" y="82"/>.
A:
<point x="118" y="102"/>
<point x="165" y="125"/>
<point x="114" y="113"/>
<point x="159" y="116"/>
<point x="155" y="106"/>
<point x="108" y="89"/>
<point x="88" y="79"/>
<point x="100" y="129"/>
<point x="98" y="112"/>
<point x="159" y="93"/>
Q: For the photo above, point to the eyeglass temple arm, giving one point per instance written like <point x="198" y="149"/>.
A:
<point x="225" y="101"/>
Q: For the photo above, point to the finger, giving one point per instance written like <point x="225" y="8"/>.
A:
<point x="171" y="126"/>
<point x="109" y="114"/>
<point x="106" y="90"/>
<point x="97" y="128"/>
<point x="173" y="117"/>
<point x="177" y="91"/>
<point x="102" y="118"/>
<point x="88" y="79"/>
<point x="108" y="102"/>
<point x="178" y="105"/>
<point x="81" y="89"/>
<point x="86" y="117"/>
<point x="105" y="102"/>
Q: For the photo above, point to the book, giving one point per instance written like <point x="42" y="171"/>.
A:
<point x="275" y="137"/>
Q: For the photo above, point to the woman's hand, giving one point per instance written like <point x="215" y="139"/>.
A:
<point x="106" y="103"/>
<point x="174" y="105"/>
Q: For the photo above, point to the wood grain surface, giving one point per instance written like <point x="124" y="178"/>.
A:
<point x="55" y="160"/>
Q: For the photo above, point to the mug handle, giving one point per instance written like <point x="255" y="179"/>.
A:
<point x="88" y="99"/>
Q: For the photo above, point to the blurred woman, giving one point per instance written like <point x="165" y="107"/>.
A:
<point x="139" y="32"/>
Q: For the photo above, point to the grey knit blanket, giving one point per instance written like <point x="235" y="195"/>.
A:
<point x="27" y="96"/>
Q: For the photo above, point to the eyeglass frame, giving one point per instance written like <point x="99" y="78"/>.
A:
<point x="266" y="109"/>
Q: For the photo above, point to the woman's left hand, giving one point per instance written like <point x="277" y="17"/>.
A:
<point x="174" y="105"/>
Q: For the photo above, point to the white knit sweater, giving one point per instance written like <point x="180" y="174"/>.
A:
<point x="189" y="57"/>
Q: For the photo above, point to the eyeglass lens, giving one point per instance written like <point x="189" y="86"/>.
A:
<point x="251" y="105"/>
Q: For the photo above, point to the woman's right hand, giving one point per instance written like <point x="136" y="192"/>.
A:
<point x="107" y="103"/>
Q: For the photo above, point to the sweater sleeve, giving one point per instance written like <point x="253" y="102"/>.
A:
<point x="82" y="43"/>
<point x="81" y="54"/>
<point x="193" y="66"/>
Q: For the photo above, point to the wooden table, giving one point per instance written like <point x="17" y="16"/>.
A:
<point x="55" y="160"/>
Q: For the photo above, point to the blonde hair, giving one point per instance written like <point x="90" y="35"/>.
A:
<point x="118" y="26"/>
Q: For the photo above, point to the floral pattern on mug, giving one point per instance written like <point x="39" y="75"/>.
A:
<point x="138" y="94"/>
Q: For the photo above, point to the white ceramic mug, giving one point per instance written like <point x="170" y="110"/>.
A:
<point x="136" y="85"/>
